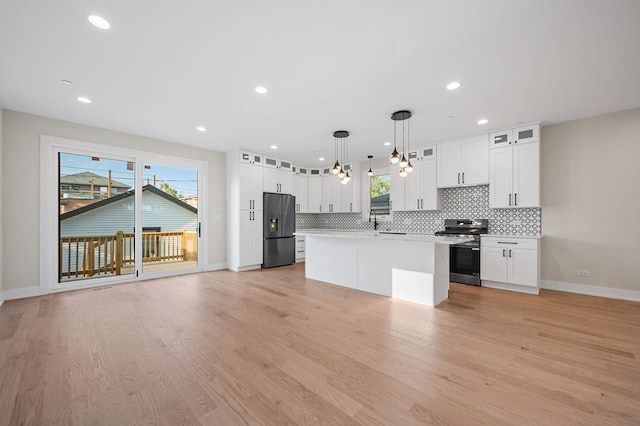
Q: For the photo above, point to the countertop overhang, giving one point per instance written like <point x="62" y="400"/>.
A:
<point x="383" y="235"/>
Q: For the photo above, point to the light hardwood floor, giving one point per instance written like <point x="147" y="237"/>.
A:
<point x="270" y="347"/>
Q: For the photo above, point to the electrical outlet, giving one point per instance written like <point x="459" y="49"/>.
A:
<point x="326" y="221"/>
<point x="582" y="273"/>
<point x="358" y="222"/>
<point x="408" y="221"/>
<point x="301" y="220"/>
<point x="516" y="222"/>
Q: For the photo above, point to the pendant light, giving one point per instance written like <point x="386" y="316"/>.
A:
<point x="402" y="115"/>
<point x="336" y="167"/>
<point x="370" y="172"/>
<point x="395" y="157"/>
<point x="341" y="139"/>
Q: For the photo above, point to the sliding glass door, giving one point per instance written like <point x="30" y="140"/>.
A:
<point x="170" y="225"/>
<point x="96" y="217"/>
<point x="115" y="215"/>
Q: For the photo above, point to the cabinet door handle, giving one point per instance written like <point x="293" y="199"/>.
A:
<point x="504" y="252"/>
<point x="509" y="252"/>
<point x="418" y="204"/>
<point x="509" y="199"/>
<point x="350" y="207"/>
<point x="458" y="178"/>
<point x="422" y="203"/>
<point x="515" y="199"/>
<point x="462" y="177"/>
<point x="507" y="242"/>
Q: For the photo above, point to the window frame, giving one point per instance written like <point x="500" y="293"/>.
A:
<point x="366" y="194"/>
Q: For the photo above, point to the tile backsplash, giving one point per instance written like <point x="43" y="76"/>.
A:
<point x="470" y="202"/>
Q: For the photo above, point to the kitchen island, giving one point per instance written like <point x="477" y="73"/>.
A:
<point x="413" y="267"/>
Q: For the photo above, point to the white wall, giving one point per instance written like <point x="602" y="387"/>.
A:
<point x="591" y="200"/>
<point x="21" y="162"/>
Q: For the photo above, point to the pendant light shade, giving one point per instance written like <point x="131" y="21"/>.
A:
<point x="403" y="172"/>
<point x="395" y="156"/>
<point x="409" y="167"/>
<point x="370" y="172"/>
<point x="336" y="168"/>
<point x="403" y="162"/>
<point x="341" y="173"/>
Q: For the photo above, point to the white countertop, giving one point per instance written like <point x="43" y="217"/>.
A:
<point x="429" y="238"/>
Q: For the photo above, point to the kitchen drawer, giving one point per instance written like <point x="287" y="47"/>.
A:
<point x="521" y="243"/>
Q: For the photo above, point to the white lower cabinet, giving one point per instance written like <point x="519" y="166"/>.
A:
<point x="250" y="238"/>
<point x="300" y="248"/>
<point x="510" y="263"/>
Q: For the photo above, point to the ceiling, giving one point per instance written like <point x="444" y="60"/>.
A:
<point x="161" y="70"/>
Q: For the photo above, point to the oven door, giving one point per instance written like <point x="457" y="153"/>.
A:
<point x="465" y="263"/>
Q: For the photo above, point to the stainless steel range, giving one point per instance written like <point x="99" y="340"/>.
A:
<point x="464" y="258"/>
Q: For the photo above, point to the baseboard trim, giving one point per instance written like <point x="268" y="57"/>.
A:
<point x="21" y="293"/>
<point x="215" y="267"/>
<point x="1" y="299"/>
<point x="592" y="290"/>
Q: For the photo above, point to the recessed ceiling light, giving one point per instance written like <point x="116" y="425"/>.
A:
<point x="453" y="85"/>
<point x="201" y="129"/>
<point x="262" y="90"/>
<point x="321" y="159"/>
<point x="84" y="100"/>
<point x="67" y="82"/>
<point x="273" y="147"/>
<point x="387" y="144"/>
<point x="483" y="121"/>
<point x="99" y="22"/>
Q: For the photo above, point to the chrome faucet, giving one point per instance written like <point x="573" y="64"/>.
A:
<point x="375" y="219"/>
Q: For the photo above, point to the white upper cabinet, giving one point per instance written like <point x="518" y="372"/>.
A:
<point x="251" y="158"/>
<point x="519" y="135"/>
<point x="278" y="175"/>
<point x="315" y="190"/>
<point x="398" y="190"/>
<point x="331" y="192"/>
<point x="250" y="186"/>
<point x="350" y="194"/>
<point x="515" y="176"/>
<point x="301" y="188"/>
<point x="421" y="187"/>
<point x="463" y="162"/>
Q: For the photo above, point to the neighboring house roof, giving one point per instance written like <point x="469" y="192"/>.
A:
<point x="384" y="198"/>
<point x="84" y="178"/>
<point x="124" y="195"/>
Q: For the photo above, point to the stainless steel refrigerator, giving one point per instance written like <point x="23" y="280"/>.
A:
<point x="279" y="226"/>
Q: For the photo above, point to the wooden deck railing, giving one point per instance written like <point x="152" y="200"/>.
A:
<point x="88" y="256"/>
